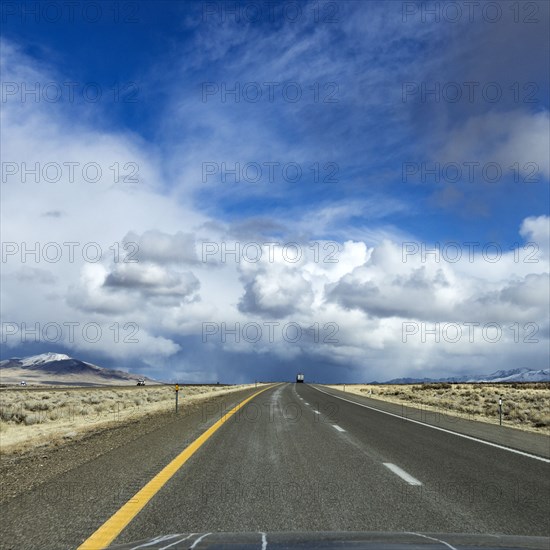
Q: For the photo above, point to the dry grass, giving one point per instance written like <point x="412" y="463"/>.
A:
<point x="525" y="405"/>
<point x="35" y="417"/>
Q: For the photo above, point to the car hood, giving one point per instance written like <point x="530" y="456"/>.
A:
<point x="332" y="540"/>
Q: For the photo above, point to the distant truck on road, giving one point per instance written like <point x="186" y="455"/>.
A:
<point x="299" y="378"/>
<point x="141" y="382"/>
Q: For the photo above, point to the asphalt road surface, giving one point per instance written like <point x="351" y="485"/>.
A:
<point x="292" y="459"/>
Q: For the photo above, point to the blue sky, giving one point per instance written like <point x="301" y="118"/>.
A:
<point x="361" y="133"/>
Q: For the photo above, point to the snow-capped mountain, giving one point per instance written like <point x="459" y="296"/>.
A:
<point x="58" y="368"/>
<point x="514" y="375"/>
<point x="519" y="375"/>
<point x="35" y="360"/>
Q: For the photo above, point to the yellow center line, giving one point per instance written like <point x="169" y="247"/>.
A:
<point x="120" y="519"/>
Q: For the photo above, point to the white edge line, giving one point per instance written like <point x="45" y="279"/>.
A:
<point x="491" y="444"/>
<point x="264" y="541"/>
<point x="338" y="428"/>
<point x="402" y="474"/>
<point x="198" y="540"/>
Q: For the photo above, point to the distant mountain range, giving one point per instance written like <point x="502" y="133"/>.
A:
<point x="514" y="375"/>
<point x="60" y="369"/>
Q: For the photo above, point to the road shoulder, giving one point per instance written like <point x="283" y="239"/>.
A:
<point x="528" y="442"/>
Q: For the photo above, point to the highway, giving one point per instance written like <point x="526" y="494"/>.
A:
<point x="293" y="458"/>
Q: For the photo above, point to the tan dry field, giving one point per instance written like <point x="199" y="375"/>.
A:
<point x="524" y="405"/>
<point x="31" y="418"/>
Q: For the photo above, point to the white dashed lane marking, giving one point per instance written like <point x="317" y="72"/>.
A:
<point x="402" y="474"/>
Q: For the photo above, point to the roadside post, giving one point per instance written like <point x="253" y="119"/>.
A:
<point x="177" y="388"/>
<point x="500" y="410"/>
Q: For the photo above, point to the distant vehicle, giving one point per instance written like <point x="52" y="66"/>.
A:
<point x="140" y="382"/>
<point x="299" y="378"/>
<point x="22" y="383"/>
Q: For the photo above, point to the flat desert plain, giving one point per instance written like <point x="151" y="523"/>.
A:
<point x="524" y="405"/>
<point x="30" y="417"/>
